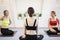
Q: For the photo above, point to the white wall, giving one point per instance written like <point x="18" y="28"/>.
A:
<point x="22" y="6"/>
<point x="7" y="5"/>
<point x="40" y="6"/>
<point x="48" y="6"/>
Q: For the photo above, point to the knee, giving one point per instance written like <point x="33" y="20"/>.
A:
<point x="11" y="32"/>
<point x="20" y="38"/>
<point x="40" y="37"/>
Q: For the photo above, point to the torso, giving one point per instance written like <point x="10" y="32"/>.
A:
<point x="5" y="19"/>
<point x="30" y="23"/>
<point x="53" y="22"/>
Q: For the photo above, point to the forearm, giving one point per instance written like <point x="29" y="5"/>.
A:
<point x="24" y="31"/>
<point x="9" y="22"/>
<point x="50" y="28"/>
<point x="37" y="30"/>
<point x="58" y="25"/>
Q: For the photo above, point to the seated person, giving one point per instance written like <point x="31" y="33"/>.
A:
<point x="53" y="24"/>
<point x="5" y="22"/>
<point x="30" y="27"/>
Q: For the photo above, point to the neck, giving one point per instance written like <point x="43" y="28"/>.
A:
<point x="5" y="16"/>
<point x="30" y="17"/>
<point x="53" y="17"/>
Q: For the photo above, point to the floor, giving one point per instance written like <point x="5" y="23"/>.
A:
<point x="20" y="32"/>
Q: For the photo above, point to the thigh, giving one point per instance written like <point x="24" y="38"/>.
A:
<point x="20" y="38"/>
<point x="27" y="37"/>
<point x="58" y="31"/>
<point x="31" y="37"/>
<point x="51" y="33"/>
<point x="40" y="37"/>
<point x="4" y="31"/>
<point x="10" y="32"/>
<point x="34" y="37"/>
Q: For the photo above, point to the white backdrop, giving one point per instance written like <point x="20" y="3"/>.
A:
<point x="40" y="6"/>
<point x="22" y="6"/>
<point x="7" y="5"/>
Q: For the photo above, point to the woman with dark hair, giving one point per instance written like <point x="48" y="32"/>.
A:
<point x="53" y="24"/>
<point x="5" y="22"/>
<point x="31" y="27"/>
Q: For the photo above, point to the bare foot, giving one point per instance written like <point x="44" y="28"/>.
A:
<point x="23" y="36"/>
<point x="58" y="33"/>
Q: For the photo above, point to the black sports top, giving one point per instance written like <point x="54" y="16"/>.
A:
<point x="31" y="27"/>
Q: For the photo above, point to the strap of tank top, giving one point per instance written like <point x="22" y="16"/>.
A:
<point x="26" y="22"/>
<point x="34" y="22"/>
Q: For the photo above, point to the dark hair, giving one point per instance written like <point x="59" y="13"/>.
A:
<point x="5" y="11"/>
<point x="53" y="12"/>
<point x="30" y="11"/>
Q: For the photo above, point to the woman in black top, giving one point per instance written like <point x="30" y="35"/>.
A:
<point x="31" y="27"/>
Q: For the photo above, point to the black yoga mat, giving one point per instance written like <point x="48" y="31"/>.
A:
<point x="8" y="35"/>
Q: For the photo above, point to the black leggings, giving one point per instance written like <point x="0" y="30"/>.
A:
<point x="6" y="31"/>
<point x="32" y="37"/>
<point x="53" y="33"/>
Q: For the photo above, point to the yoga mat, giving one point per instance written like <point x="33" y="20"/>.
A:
<point x="8" y="35"/>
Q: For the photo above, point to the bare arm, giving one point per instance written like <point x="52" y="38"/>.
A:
<point x="2" y="18"/>
<point x="58" y="23"/>
<point x="1" y="22"/>
<point x="24" y="27"/>
<point x="37" y="29"/>
<point x="24" y="30"/>
<point x="9" y="21"/>
<point x="49" y="26"/>
<point x="37" y="26"/>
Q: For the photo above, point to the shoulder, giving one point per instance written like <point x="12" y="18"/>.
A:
<point x="25" y="19"/>
<point x="2" y="18"/>
<point x="49" y="19"/>
<point x="57" y="19"/>
<point x="36" y="19"/>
